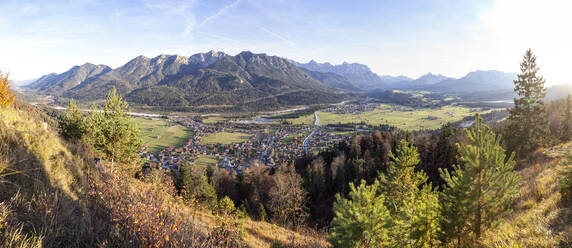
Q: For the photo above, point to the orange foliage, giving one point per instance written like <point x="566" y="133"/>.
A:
<point x="149" y="213"/>
<point x="6" y="95"/>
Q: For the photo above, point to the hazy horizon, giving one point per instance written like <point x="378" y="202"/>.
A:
<point x="409" y="38"/>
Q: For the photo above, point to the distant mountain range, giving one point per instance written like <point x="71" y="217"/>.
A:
<point x="253" y="81"/>
<point x="358" y="74"/>
<point x="249" y="81"/>
<point x="476" y="81"/>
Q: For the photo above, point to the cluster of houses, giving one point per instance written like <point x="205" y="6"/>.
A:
<point x="354" y="109"/>
<point x="271" y="145"/>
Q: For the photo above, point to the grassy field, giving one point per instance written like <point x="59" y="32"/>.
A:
<point x="159" y="134"/>
<point x="302" y="120"/>
<point x="213" y="119"/>
<point x="415" y="119"/>
<point x="224" y="138"/>
<point x="206" y="161"/>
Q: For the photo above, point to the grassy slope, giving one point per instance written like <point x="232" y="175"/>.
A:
<point x="159" y="134"/>
<point x="538" y="218"/>
<point x="50" y="194"/>
<point x="224" y="138"/>
<point x="40" y="174"/>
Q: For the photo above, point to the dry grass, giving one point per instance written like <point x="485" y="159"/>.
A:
<point x="538" y="218"/>
<point x="262" y="234"/>
<point x="52" y="195"/>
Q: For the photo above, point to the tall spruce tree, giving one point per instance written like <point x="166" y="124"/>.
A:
<point x="479" y="190"/>
<point x="412" y="203"/>
<point x="112" y="131"/>
<point x="527" y="128"/>
<point x="566" y="127"/>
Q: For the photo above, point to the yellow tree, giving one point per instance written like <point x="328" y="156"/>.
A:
<point x="6" y="95"/>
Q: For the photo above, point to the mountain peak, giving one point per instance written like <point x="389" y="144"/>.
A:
<point x="359" y="74"/>
<point x="206" y="59"/>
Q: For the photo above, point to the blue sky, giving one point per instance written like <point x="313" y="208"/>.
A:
<point x="451" y="37"/>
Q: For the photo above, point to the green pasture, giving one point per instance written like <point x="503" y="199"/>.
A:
<point x="224" y="138"/>
<point x="206" y="161"/>
<point x="158" y="134"/>
<point x="402" y="117"/>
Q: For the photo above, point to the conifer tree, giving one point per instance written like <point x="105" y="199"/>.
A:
<point x="261" y="212"/>
<point x="566" y="127"/>
<point x="362" y="220"/>
<point x="412" y="203"/>
<point x="527" y="128"/>
<point x="197" y="186"/>
<point x="112" y="131"/>
<point x="73" y="124"/>
<point x="479" y="190"/>
<point x="6" y="95"/>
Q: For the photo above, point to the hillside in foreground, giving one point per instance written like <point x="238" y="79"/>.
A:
<point x="52" y="194"/>
<point x="539" y="218"/>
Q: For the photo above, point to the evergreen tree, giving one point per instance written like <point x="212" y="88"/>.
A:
<point x="362" y="220"/>
<point x="196" y="186"/>
<point x="479" y="190"/>
<point x="412" y="203"/>
<point x="73" y="126"/>
<point x="527" y="128"/>
<point x="566" y="127"/>
<point x="6" y="95"/>
<point x="225" y="206"/>
<point x="261" y="212"/>
<point x="112" y="131"/>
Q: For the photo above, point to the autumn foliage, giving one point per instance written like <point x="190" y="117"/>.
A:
<point x="6" y="95"/>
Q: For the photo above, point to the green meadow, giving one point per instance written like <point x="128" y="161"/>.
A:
<point x="206" y="161"/>
<point x="224" y="138"/>
<point x="403" y="117"/>
<point x="158" y="134"/>
<point x="213" y="119"/>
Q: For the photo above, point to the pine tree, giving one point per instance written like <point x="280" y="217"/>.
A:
<point x="412" y="203"/>
<point x="6" y="95"/>
<point x="479" y="190"/>
<point x="566" y="127"/>
<point x="261" y="212"/>
<point x="196" y="186"/>
<point x="73" y="126"/>
<point x="527" y="129"/>
<point x="362" y="220"/>
<point x="112" y="131"/>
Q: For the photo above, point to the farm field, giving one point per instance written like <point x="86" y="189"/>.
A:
<point x="158" y="133"/>
<point x="224" y="138"/>
<point x="213" y="119"/>
<point x="302" y="120"/>
<point x="404" y="118"/>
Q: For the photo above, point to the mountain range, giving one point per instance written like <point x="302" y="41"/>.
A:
<point x="253" y="81"/>
<point x="249" y="80"/>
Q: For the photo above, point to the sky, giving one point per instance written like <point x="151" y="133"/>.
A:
<point x="392" y="37"/>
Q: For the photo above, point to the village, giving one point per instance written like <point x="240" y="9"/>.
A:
<point x="268" y="144"/>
